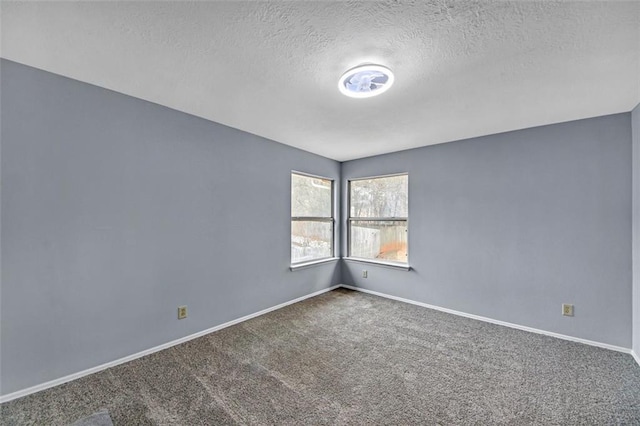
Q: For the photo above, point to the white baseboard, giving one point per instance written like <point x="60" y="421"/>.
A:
<point x="498" y="322"/>
<point x="74" y="376"/>
<point x="635" y="356"/>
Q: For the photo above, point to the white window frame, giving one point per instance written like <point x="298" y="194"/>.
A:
<point x="351" y="219"/>
<point x="331" y="220"/>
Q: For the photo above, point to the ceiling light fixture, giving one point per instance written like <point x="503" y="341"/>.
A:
<point x="365" y="81"/>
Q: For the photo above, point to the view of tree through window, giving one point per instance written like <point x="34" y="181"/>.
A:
<point x="311" y="218"/>
<point x="378" y="213"/>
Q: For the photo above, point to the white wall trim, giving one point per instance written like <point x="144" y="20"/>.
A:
<point x="74" y="376"/>
<point x="498" y="322"/>
<point x="635" y="356"/>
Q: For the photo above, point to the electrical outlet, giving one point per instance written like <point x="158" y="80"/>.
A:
<point x="182" y="312"/>
<point x="567" y="310"/>
<point x="365" y="274"/>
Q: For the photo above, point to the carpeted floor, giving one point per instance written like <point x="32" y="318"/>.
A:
<point x="350" y="358"/>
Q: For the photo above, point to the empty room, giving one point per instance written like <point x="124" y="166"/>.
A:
<point x="320" y="212"/>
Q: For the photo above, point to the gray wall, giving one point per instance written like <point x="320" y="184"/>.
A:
<point x="511" y="226"/>
<point x="115" y="211"/>
<point x="635" y="122"/>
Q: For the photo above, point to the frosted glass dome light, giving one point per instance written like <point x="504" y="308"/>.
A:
<point x="365" y="81"/>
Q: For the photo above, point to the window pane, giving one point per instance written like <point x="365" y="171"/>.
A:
<point x="310" y="240"/>
<point x="310" y="197"/>
<point x="380" y="197"/>
<point x="382" y="240"/>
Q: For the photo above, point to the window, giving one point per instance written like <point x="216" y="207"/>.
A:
<point x="311" y="218"/>
<point x="378" y="214"/>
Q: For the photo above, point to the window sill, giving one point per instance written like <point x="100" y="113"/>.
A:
<point x="304" y="265"/>
<point x="392" y="265"/>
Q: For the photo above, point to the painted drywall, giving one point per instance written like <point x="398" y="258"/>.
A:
<point x="115" y="211"/>
<point x="510" y="226"/>
<point x="635" y="130"/>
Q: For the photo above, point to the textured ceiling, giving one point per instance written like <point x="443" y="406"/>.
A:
<point x="462" y="69"/>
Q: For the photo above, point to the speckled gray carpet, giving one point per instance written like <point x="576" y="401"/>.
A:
<point x="350" y="358"/>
